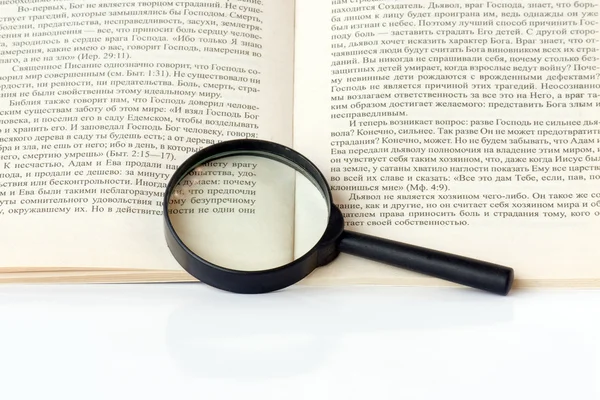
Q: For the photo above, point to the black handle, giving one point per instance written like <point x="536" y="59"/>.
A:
<point x="464" y="271"/>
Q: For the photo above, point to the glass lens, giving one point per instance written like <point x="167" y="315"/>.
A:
<point x="248" y="212"/>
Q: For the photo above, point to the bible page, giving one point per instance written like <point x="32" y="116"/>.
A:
<point x="466" y="127"/>
<point x="101" y="100"/>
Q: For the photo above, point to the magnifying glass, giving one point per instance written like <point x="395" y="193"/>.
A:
<point x="252" y="216"/>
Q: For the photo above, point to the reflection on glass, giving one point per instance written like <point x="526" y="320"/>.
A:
<point x="248" y="213"/>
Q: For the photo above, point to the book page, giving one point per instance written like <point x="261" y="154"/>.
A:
<point x="466" y="127"/>
<point x="100" y="101"/>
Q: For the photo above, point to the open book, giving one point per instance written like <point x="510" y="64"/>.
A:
<point x="467" y="127"/>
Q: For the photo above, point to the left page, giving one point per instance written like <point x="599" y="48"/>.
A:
<point x="101" y="100"/>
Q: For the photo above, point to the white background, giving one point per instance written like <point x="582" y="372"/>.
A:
<point x="193" y="342"/>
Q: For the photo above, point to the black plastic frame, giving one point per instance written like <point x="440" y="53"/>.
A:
<point x="466" y="271"/>
<point x="254" y="282"/>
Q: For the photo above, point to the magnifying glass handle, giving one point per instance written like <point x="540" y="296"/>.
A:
<point x="461" y="270"/>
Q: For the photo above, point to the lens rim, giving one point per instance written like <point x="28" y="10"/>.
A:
<point x="264" y="281"/>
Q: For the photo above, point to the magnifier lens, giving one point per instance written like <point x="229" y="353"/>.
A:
<point x="248" y="212"/>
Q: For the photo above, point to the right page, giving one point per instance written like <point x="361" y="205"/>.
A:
<point x="466" y="127"/>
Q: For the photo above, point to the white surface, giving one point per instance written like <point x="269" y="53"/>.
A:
<point x="192" y="342"/>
